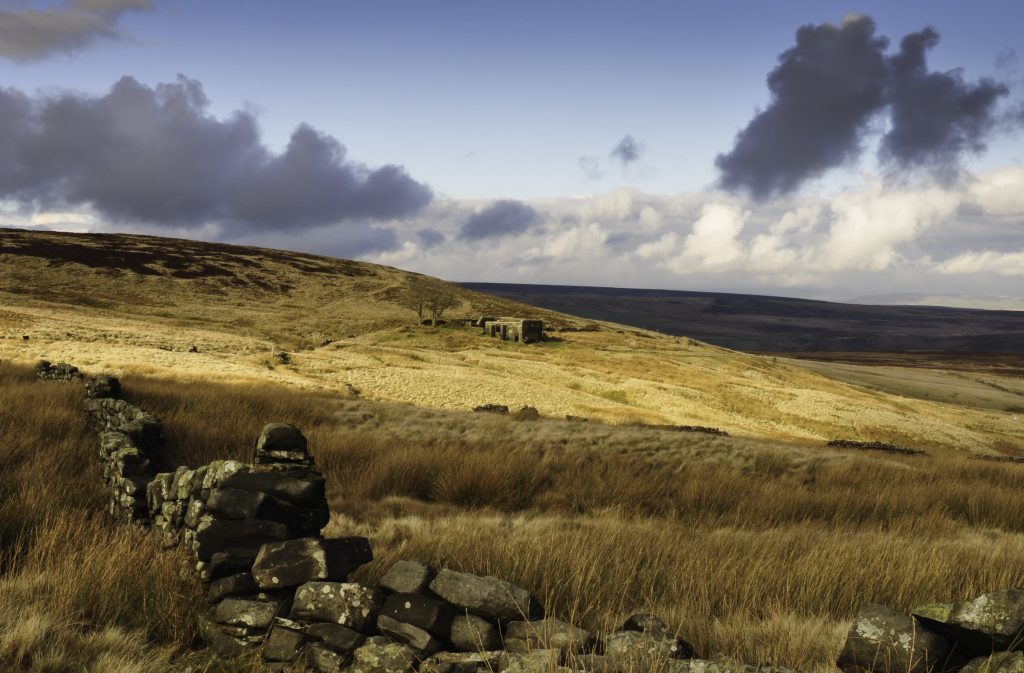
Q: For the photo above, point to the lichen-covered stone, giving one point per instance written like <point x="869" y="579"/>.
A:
<point x="380" y="655"/>
<point x="464" y="662"/>
<point x="218" y="536"/>
<point x="407" y="577"/>
<point x="294" y="562"/>
<point x="883" y="640"/>
<point x="281" y="443"/>
<point x="348" y="604"/>
<point x="322" y="659"/>
<point x="999" y="662"/>
<point x="989" y="623"/>
<point x="486" y="596"/>
<point x="536" y="661"/>
<point x="255" y="614"/>
<point x="425" y="613"/>
<point x="547" y="634"/>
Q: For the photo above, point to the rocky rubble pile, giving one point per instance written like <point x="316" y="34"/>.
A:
<point x="59" y="372"/>
<point x="981" y="635"/>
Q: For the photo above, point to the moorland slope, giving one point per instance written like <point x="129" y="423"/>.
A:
<point x="140" y="304"/>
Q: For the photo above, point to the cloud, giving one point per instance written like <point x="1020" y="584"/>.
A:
<point x="936" y="116"/>
<point x="155" y="156"/>
<point x="828" y="88"/>
<point x="627" y="150"/>
<point x="498" y="220"/>
<point x="824" y="91"/>
<point x="430" y="238"/>
<point x="990" y="261"/>
<point x="31" y="34"/>
<point x="1007" y="61"/>
<point x="591" y="167"/>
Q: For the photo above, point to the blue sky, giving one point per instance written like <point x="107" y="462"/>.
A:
<point x="486" y="101"/>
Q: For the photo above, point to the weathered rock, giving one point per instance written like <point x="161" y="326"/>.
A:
<point x="486" y="596"/>
<point x="232" y="585"/>
<point x="592" y="663"/>
<point x="103" y="387"/>
<point x="407" y="577"/>
<point x="218" y="536"/>
<point x="380" y="655"/>
<point x="235" y="503"/>
<point x="294" y="562"/>
<point x="492" y="408"/>
<point x="419" y="639"/>
<point x="335" y="636"/>
<point x="254" y="614"/>
<point x="230" y="562"/>
<point x="657" y="629"/>
<point x="464" y="662"/>
<point x="470" y="633"/>
<point x="222" y="644"/>
<point x="547" y="634"/>
<point x="351" y="605"/>
<point x="283" y="643"/>
<point x="883" y="640"/>
<point x="426" y="613"/>
<point x="536" y="661"/>
<point x="989" y="623"/>
<point x="281" y="442"/>
<point x="999" y="662"/>
<point x="322" y="659"/>
<point x="626" y="649"/>
<point x="301" y="487"/>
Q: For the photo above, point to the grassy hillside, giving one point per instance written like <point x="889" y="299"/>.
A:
<point x="600" y="521"/>
<point x="137" y="304"/>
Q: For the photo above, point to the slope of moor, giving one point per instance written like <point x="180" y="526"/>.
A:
<point x="134" y="303"/>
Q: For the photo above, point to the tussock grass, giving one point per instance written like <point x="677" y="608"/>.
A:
<point x="760" y="550"/>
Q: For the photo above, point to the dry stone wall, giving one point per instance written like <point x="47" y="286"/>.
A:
<point x="275" y="584"/>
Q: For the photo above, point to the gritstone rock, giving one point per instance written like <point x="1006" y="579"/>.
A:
<point x="380" y="655"/>
<point x="413" y="636"/>
<point x="351" y="605"/>
<point x="883" y="640"/>
<point x="426" y="613"/>
<point x="335" y="636"/>
<point x="407" y="577"/>
<point x="549" y="634"/>
<point x="486" y="596"/>
<point x="294" y="562"/>
<point x="470" y="633"/>
<point x="980" y="626"/>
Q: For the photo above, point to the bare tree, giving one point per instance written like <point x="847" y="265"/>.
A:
<point x="429" y="296"/>
<point x="441" y="297"/>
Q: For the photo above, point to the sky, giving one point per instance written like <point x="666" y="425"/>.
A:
<point x="821" y="149"/>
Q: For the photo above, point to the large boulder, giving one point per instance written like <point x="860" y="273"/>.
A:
<point x="351" y="605"/>
<point x="486" y="596"/>
<point x="882" y="640"/>
<point x="294" y="562"/>
<point x="407" y="577"/>
<point x="989" y="623"/>
<point x="547" y="634"/>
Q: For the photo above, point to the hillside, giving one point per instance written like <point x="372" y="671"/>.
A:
<point x="781" y="324"/>
<point x="139" y="304"/>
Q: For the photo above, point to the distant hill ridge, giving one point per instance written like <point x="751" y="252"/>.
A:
<point x="780" y="324"/>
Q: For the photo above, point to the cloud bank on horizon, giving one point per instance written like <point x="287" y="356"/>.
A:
<point x="828" y="89"/>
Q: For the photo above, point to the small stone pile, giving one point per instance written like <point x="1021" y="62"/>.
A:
<point x="128" y="440"/>
<point x="981" y="635"/>
<point x="59" y="372"/>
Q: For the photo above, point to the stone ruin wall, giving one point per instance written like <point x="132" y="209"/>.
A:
<point x="275" y="584"/>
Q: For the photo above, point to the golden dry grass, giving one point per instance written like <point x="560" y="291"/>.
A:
<point x="758" y="550"/>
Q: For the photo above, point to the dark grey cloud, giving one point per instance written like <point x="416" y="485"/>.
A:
<point x="430" y="238"/>
<point x="627" y="150"/>
<point x="936" y="116"/>
<point x="824" y="91"/>
<point x="153" y="155"/>
<point x="500" y="219"/>
<point x="827" y="89"/>
<point x="33" y="34"/>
